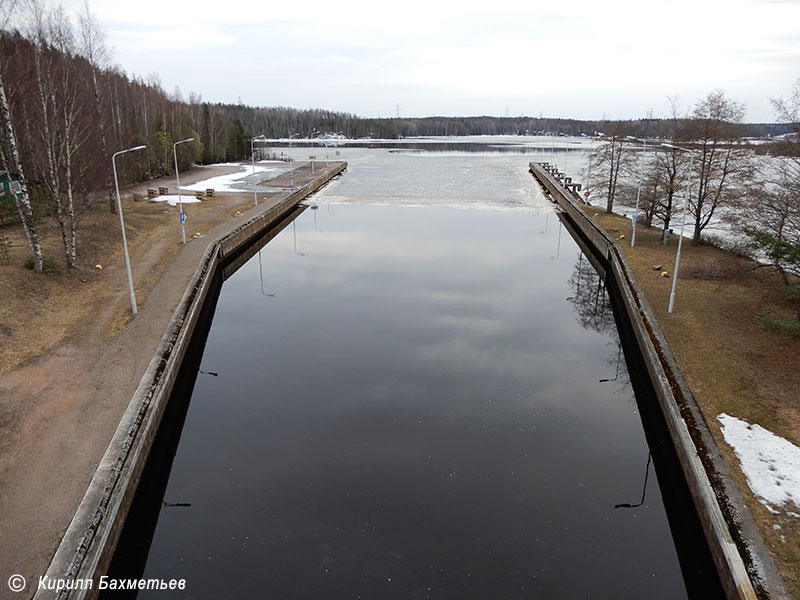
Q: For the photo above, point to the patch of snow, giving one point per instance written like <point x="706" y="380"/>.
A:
<point x="230" y="182"/>
<point x="173" y="200"/>
<point x="770" y="463"/>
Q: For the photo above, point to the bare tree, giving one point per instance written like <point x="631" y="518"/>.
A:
<point x="778" y="208"/>
<point x="645" y="188"/>
<point x="722" y="164"/>
<point x="670" y="168"/>
<point x="610" y="159"/>
<point x="652" y="185"/>
<point x="773" y="221"/>
<point x="9" y="152"/>
<point x="60" y="126"/>
<point x="195" y="108"/>
<point x="92" y="46"/>
<point x="788" y="109"/>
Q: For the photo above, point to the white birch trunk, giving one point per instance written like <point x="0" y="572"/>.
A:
<point x="22" y="199"/>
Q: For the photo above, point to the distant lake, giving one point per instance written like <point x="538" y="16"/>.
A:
<point x="420" y="392"/>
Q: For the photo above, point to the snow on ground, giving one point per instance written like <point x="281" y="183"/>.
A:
<point x="770" y="463"/>
<point x="228" y="183"/>
<point x="172" y="200"/>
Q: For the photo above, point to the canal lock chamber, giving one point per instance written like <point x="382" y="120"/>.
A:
<point x="374" y="535"/>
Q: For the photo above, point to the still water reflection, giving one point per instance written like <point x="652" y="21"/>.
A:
<point x="413" y="402"/>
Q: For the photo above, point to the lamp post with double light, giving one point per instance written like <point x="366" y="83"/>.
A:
<point x="683" y="224"/>
<point x="181" y="215"/>
<point x="122" y="223"/>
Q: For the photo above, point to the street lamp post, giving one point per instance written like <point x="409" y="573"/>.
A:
<point x="178" y="180"/>
<point x="258" y="138"/>
<point x="636" y="211"/>
<point x="683" y="224"/>
<point x="291" y="170"/>
<point x="122" y="223"/>
<point x="638" y="193"/>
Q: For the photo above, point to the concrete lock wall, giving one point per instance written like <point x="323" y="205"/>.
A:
<point x="90" y="540"/>
<point x="88" y="545"/>
<point x="740" y="556"/>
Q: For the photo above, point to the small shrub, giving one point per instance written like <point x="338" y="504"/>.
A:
<point x="790" y="328"/>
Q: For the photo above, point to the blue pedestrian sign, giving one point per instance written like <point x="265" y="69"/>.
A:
<point x="183" y="218"/>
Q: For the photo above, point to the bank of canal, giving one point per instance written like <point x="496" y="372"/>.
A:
<point x="417" y="402"/>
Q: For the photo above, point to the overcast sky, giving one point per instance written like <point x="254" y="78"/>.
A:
<point x="584" y="59"/>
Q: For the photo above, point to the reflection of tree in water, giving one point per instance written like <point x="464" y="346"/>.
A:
<point x="590" y="298"/>
<point x="593" y="305"/>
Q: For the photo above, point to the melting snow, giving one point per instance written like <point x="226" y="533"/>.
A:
<point x="173" y="200"/>
<point x="770" y="463"/>
<point x="228" y="183"/>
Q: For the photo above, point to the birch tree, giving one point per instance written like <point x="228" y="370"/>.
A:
<point x="9" y="151"/>
<point x="59" y="127"/>
<point x="93" y="48"/>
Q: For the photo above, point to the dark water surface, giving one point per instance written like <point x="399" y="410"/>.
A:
<point x="415" y="402"/>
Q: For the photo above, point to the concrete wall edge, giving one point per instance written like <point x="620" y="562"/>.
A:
<point x="89" y="541"/>
<point x="686" y="424"/>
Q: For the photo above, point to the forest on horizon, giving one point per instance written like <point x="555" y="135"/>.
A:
<point x="65" y="109"/>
